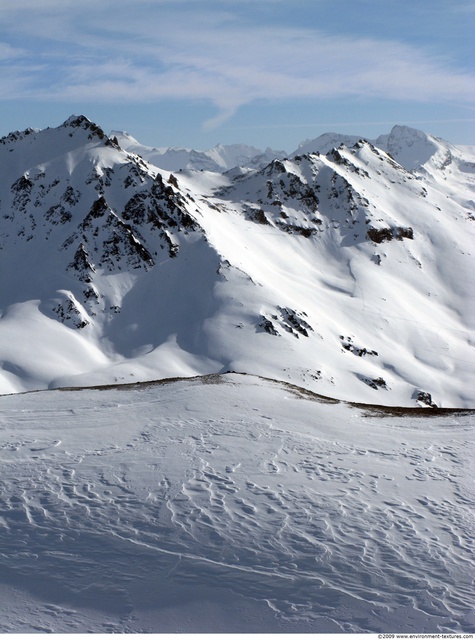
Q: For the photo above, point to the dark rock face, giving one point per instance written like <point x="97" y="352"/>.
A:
<point x="374" y="383"/>
<point x="388" y="234"/>
<point x="288" y="320"/>
<point x="425" y="398"/>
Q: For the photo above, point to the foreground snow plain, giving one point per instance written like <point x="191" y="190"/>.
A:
<point x="232" y="503"/>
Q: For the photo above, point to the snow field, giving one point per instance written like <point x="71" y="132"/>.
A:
<point x="256" y="503"/>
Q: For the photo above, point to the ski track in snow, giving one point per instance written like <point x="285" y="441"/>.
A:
<point x="158" y="509"/>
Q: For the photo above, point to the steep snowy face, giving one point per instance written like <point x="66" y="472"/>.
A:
<point x="372" y="261"/>
<point x="342" y="271"/>
<point x="83" y="222"/>
<point x="101" y="209"/>
<point x="410" y="147"/>
<point x="447" y="168"/>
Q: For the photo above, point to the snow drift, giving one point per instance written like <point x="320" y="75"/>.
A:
<point x="232" y="504"/>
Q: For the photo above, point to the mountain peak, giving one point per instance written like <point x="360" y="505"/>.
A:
<point x="77" y="121"/>
<point x="325" y="143"/>
<point x="82" y="122"/>
<point x="408" y="133"/>
<point x="412" y="148"/>
<point x="123" y="137"/>
<point x="402" y="136"/>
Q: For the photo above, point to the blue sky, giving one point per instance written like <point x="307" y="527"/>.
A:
<point x="263" y="72"/>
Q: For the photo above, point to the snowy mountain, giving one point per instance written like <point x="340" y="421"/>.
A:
<point x="325" y="143"/>
<point x="345" y="270"/>
<point x="220" y="158"/>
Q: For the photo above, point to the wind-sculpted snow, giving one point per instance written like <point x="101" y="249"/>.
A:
<point x="232" y="504"/>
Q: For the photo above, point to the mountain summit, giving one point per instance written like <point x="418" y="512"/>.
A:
<point x="345" y="268"/>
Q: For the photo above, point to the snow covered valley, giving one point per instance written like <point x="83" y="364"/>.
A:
<point x="232" y="503"/>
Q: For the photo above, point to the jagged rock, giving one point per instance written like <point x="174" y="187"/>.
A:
<point x="387" y="234"/>
<point x="375" y="383"/>
<point x="22" y="192"/>
<point x="348" y="345"/>
<point x="294" y="322"/>
<point x="81" y="264"/>
<point x="268" y="326"/>
<point x="425" y="398"/>
<point x="69" y="314"/>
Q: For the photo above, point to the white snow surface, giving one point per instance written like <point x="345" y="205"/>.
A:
<point x="231" y="503"/>
<point x="341" y="269"/>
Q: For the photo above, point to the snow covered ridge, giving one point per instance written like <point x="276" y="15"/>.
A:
<point x="345" y="268"/>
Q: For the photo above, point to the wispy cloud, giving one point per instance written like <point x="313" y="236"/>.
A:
<point x="153" y="50"/>
<point x="7" y="52"/>
<point x="463" y="6"/>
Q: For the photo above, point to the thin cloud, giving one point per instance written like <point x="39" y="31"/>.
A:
<point x="7" y="52"/>
<point x="463" y="7"/>
<point x="173" y="54"/>
<point x="347" y="123"/>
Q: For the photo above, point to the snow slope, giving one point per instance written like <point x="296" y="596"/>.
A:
<point x="232" y="504"/>
<point x="342" y="271"/>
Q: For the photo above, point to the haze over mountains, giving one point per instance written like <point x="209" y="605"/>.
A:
<point x="220" y="158"/>
<point x="345" y="267"/>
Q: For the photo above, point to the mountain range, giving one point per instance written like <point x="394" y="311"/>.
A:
<point x="251" y="385"/>
<point x="344" y="267"/>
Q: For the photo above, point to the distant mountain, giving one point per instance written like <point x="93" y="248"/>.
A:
<point x="346" y="268"/>
<point x="325" y="143"/>
<point x="412" y="148"/>
<point x="220" y="158"/>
